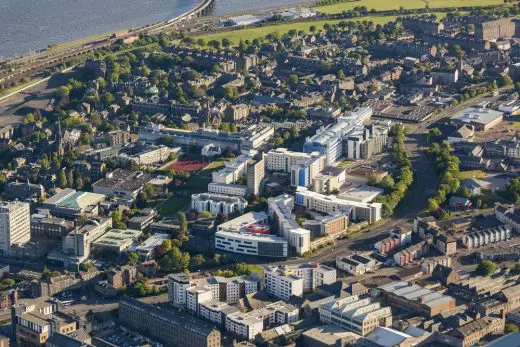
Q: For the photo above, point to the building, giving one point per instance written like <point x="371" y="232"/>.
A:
<point x="328" y="141"/>
<point x="24" y="191"/>
<point x="331" y="204"/>
<point x="285" y="225"/>
<point x="34" y="322"/>
<point x="121" y="183"/>
<point x="45" y="225"/>
<point x="357" y="264"/>
<point x="153" y="156"/>
<point x="282" y="284"/>
<point x="250" y="324"/>
<point x="486" y="237"/>
<point x="167" y="326"/>
<point x="496" y="29"/>
<point x="328" y="336"/>
<point x="509" y="215"/>
<point x="471" y="333"/>
<point x="416" y="298"/>
<point x="15" y="225"/>
<point x="116" y="241"/>
<point x="282" y="160"/>
<point x="215" y="203"/>
<point x="183" y="289"/>
<point x="216" y="312"/>
<point x="256" y="174"/>
<point x="354" y="314"/>
<point x="414" y="49"/>
<point x="251" y="244"/>
<point x="482" y="119"/>
<point x="78" y="242"/>
<point x="227" y="189"/>
<point x="367" y="141"/>
<point x="146" y="250"/>
<point x="72" y="204"/>
<point x="410" y="253"/>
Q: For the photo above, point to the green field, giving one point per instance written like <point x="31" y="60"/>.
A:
<point x="261" y="32"/>
<point x="466" y="175"/>
<point x="381" y="5"/>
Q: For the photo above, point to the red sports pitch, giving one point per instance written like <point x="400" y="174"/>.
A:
<point x="191" y="166"/>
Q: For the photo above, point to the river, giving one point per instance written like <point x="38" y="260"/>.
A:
<point x="28" y="25"/>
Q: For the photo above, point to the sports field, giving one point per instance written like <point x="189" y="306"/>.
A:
<point x="190" y="166"/>
<point x="381" y="5"/>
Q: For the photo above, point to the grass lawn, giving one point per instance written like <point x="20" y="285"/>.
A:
<point x="260" y="32"/>
<point x="381" y="5"/>
<point x="466" y="175"/>
<point x="215" y="165"/>
<point x="196" y="184"/>
<point x="345" y="164"/>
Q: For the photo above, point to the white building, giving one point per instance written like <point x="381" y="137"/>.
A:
<point x="146" y="249"/>
<point x="177" y="286"/>
<point x="197" y="295"/>
<point x="232" y="170"/>
<point x="331" y="204"/>
<point x="15" y="225"/>
<point x="216" y="311"/>
<point x="251" y="244"/>
<point x="217" y="203"/>
<point x="354" y="314"/>
<point x="281" y="159"/>
<point x="227" y="189"/>
<point x="282" y="284"/>
<point x="250" y="324"/>
<point x="285" y="224"/>
<point x="486" y="237"/>
<point x="356" y="264"/>
<point x="329" y="140"/>
<point x="284" y="281"/>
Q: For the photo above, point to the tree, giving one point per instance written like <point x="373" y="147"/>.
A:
<point x="117" y="221"/>
<point x="133" y="259"/>
<point x="108" y="99"/>
<point x="62" y="92"/>
<point x="198" y="260"/>
<point x="507" y="80"/>
<point x="486" y="267"/>
<point x="62" y="179"/>
<point x="516" y="269"/>
<point x="511" y="328"/>
<point x="433" y="205"/>
<point x="312" y="28"/>
<point x="293" y="79"/>
<point x="183" y="222"/>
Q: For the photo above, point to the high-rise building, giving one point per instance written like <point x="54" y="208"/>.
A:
<point x="255" y="175"/>
<point x="15" y="225"/>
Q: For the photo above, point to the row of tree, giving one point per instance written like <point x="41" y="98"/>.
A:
<point x="397" y="186"/>
<point x="448" y="168"/>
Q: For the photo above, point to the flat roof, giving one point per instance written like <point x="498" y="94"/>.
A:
<point x="477" y="115"/>
<point x="117" y="238"/>
<point x="72" y="198"/>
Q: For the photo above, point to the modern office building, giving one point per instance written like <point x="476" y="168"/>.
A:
<point x="331" y="204"/>
<point x="285" y="225"/>
<point x="116" y="241"/>
<point x="216" y="203"/>
<point x="146" y="250"/>
<point x="328" y="141"/>
<point x="77" y="243"/>
<point x="360" y="316"/>
<point x="15" y="225"/>
<point x="282" y="160"/>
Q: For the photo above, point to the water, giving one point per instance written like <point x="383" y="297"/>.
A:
<point x="27" y="25"/>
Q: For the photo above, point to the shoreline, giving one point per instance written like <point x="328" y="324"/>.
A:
<point x="80" y="42"/>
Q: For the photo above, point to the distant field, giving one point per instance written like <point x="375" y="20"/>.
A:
<point x="407" y="4"/>
<point x="255" y="33"/>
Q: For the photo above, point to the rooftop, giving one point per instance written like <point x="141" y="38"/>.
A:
<point x="71" y="198"/>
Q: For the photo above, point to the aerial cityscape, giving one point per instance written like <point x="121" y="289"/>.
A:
<point x="315" y="173"/>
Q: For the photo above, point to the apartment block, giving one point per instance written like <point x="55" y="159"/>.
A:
<point x="216" y="203"/>
<point x="15" y="225"/>
<point x="250" y="324"/>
